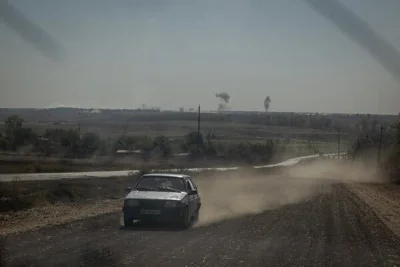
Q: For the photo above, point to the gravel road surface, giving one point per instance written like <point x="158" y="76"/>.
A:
<point x="331" y="228"/>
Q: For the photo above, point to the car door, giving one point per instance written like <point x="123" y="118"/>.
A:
<point x="193" y="198"/>
<point x="198" y="198"/>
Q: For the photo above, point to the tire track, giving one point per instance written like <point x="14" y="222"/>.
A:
<point x="368" y="219"/>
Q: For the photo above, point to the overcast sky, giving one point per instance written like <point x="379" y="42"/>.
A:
<point x="173" y="53"/>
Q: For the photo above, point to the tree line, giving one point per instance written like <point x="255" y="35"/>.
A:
<point x="69" y="142"/>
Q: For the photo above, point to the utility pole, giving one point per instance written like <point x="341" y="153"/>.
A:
<point x="198" y="130"/>
<point x="380" y="145"/>
<point x="338" y="143"/>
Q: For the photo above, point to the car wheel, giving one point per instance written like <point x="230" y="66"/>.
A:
<point x="128" y="221"/>
<point x="185" y="221"/>
<point x="196" y="216"/>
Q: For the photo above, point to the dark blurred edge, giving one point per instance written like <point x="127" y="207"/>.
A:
<point x="2" y="252"/>
<point x="360" y="32"/>
<point x="31" y="32"/>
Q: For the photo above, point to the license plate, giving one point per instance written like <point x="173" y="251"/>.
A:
<point x="152" y="212"/>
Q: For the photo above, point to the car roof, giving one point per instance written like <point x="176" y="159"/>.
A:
<point x="170" y="175"/>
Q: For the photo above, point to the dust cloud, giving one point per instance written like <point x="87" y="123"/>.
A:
<point x="241" y="193"/>
<point x="338" y="171"/>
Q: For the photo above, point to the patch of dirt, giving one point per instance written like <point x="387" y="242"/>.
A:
<point x="50" y="215"/>
<point x="384" y="199"/>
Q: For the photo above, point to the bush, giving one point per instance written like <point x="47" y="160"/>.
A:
<point x="192" y="140"/>
<point x="3" y="142"/>
<point x="144" y="143"/>
<point x="162" y="142"/>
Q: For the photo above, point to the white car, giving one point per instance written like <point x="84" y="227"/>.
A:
<point x="161" y="197"/>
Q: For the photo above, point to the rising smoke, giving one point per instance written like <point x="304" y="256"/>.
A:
<point x="267" y="102"/>
<point x="224" y="98"/>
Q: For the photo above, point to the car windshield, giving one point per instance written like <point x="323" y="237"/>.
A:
<point x="158" y="183"/>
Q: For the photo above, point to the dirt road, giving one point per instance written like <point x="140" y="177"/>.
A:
<point x="108" y="174"/>
<point x="331" y="228"/>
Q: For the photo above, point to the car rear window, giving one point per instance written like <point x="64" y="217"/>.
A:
<point x="161" y="182"/>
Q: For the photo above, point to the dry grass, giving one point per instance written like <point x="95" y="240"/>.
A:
<point x="21" y="195"/>
<point x="49" y="215"/>
<point x="29" y="205"/>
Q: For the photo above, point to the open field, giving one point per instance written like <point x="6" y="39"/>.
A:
<point x="264" y="219"/>
<point x="177" y="129"/>
<point x="229" y="125"/>
<point x="121" y="116"/>
<point x="288" y="141"/>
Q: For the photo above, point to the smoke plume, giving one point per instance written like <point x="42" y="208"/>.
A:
<point x="267" y="102"/>
<point x="224" y="98"/>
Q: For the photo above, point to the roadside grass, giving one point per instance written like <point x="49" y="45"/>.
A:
<point x="21" y="195"/>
